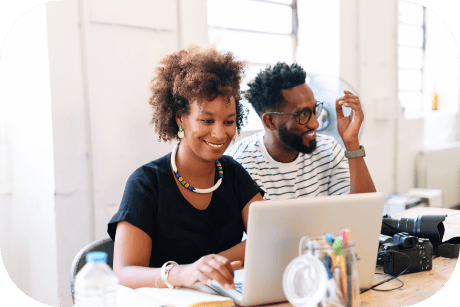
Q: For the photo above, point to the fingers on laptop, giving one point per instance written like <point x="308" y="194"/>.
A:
<point x="236" y="265"/>
<point x="218" y="268"/>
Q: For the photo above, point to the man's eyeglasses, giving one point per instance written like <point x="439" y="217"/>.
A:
<point x="304" y="116"/>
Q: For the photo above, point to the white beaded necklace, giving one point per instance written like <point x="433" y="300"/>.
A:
<point x="187" y="185"/>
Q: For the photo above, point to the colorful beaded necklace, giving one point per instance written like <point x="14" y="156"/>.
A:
<point x="187" y="185"/>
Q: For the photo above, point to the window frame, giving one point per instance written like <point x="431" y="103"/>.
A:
<point x="251" y="126"/>
<point x="411" y="114"/>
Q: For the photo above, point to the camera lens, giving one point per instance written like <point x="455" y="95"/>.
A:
<point x="424" y="226"/>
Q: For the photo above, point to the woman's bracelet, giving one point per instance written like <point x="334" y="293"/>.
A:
<point x="165" y="272"/>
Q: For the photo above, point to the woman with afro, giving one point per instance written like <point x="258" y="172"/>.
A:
<point x="182" y="216"/>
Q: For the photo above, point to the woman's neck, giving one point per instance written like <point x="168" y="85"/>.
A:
<point x="193" y="168"/>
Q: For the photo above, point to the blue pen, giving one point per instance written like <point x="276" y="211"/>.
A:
<point x="329" y="238"/>
<point x="327" y="264"/>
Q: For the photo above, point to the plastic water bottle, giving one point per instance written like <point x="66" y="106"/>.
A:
<point x="96" y="284"/>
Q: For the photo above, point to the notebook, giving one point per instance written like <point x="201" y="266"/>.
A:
<point x="276" y="227"/>
<point x="182" y="297"/>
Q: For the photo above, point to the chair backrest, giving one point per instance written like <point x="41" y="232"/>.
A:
<point x="101" y="245"/>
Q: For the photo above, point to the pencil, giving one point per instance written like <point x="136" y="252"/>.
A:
<point x="343" y="278"/>
<point x="346" y="235"/>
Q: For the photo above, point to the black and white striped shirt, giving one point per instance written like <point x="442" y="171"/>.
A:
<point x="323" y="172"/>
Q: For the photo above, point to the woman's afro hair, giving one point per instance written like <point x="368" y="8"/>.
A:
<point x="264" y="91"/>
<point x="189" y="75"/>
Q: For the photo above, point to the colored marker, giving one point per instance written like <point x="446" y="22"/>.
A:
<point x="329" y="238"/>
<point x="345" y="235"/>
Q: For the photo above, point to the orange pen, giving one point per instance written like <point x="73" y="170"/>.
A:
<point x="346" y="237"/>
<point x="343" y="277"/>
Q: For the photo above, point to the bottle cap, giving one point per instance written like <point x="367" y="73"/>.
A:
<point x="96" y="256"/>
<point x="304" y="281"/>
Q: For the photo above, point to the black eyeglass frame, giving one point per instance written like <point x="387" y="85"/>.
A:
<point x="318" y="108"/>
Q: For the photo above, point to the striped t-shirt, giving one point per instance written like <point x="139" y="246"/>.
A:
<point x="323" y="172"/>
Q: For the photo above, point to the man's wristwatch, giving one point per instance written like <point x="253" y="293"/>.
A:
<point x="356" y="153"/>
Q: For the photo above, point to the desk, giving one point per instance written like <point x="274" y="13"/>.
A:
<point x="417" y="286"/>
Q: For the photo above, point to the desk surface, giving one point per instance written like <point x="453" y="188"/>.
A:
<point x="417" y="286"/>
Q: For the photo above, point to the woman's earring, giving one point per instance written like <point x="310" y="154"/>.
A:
<point x="181" y="133"/>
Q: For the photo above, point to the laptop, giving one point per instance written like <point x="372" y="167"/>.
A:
<point x="276" y="227"/>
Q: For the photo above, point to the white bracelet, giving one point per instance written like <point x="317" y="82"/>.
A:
<point x="165" y="272"/>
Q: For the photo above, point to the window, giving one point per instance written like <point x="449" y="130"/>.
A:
<point x="260" y="32"/>
<point x="427" y="61"/>
<point x="429" y="72"/>
<point x="411" y="54"/>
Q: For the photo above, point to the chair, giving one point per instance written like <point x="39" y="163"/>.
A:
<point x="101" y="245"/>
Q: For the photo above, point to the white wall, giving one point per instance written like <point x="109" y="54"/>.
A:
<point x="91" y="101"/>
<point x="72" y="159"/>
<point x="441" y="71"/>
<point x="27" y="219"/>
<point x="99" y="84"/>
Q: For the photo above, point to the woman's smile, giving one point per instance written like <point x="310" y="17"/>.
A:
<point x="214" y="145"/>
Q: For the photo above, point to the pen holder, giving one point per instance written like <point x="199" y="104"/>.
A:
<point x="322" y="275"/>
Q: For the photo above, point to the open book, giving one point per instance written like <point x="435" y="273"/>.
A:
<point x="182" y="297"/>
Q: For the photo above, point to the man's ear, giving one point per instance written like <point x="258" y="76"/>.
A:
<point x="268" y="121"/>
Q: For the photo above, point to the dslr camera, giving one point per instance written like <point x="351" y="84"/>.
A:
<point x="403" y="251"/>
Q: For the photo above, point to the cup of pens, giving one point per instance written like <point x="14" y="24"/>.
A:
<point x="324" y="274"/>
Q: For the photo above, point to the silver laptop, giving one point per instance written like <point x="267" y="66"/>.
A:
<point x="276" y="227"/>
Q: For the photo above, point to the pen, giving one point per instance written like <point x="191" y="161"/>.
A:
<point x="329" y="238"/>
<point x="343" y="277"/>
<point x="338" y="249"/>
<point x="337" y="282"/>
<point x="328" y="266"/>
<point x="346" y="236"/>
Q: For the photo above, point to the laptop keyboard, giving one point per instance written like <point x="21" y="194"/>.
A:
<point x="239" y="287"/>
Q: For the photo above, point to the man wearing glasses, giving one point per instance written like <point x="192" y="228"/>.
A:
<point x="288" y="159"/>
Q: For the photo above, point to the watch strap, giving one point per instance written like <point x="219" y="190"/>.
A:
<point x="350" y="154"/>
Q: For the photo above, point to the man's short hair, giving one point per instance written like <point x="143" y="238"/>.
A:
<point x="264" y="91"/>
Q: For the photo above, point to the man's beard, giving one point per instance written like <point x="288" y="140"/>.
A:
<point x="295" y="142"/>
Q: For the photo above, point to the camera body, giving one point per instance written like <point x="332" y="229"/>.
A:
<point x="395" y="252"/>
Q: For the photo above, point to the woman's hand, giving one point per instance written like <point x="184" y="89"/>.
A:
<point x="206" y="269"/>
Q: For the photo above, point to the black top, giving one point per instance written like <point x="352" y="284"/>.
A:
<point x="180" y="232"/>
